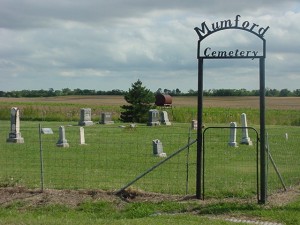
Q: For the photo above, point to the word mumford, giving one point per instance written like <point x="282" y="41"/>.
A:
<point x="204" y="30"/>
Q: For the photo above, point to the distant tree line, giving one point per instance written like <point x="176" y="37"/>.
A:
<point x="175" y="92"/>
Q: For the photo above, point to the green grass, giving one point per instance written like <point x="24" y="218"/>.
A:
<point x="57" y="111"/>
<point x="102" y="212"/>
<point x="114" y="156"/>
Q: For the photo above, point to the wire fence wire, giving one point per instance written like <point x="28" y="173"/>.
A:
<point x="229" y="170"/>
<point x="114" y="155"/>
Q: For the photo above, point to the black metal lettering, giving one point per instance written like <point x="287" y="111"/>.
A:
<point x="237" y="20"/>
<point x="205" y="51"/>
<point x="245" y="24"/>
<point x="204" y="31"/>
<point x="262" y="31"/>
<point x="222" y="54"/>
<point x="254" y="25"/>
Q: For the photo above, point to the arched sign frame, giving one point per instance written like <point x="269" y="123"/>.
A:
<point x="203" y="33"/>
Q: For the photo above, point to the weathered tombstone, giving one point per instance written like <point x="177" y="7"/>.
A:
<point x="132" y="125"/>
<point x="194" y="124"/>
<point x="106" y="118"/>
<point x="47" y="131"/>
<point x="85" y="117"/>
<point x="164" y="119"/>
<point x="15" y="134"/>
<point x="82" y="138"/>
<point x="153" y="117"/>
<point x="286" y="136"/>
<point x="232" y="139"/>
<point x="62" y="141"/>
<point x="245" y="137"/>
<point x="158" y="148"/>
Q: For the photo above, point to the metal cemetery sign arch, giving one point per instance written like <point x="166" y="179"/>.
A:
<point x="208" y="52"/>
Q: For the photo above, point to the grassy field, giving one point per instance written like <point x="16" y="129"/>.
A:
<point x="279" y="111"/>
<point x="114" y="155"/>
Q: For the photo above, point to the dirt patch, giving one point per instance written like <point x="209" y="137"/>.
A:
<point x="73" y="198"/>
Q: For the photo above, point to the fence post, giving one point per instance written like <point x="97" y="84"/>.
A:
<point x="41" y="159"/>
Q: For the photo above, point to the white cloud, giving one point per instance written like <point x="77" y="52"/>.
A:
<point x="108" y="45"/>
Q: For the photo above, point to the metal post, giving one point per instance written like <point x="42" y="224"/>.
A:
<point x="263" y="174"/>
<point x="41" y="159"/>
<point x="199" y="129"/>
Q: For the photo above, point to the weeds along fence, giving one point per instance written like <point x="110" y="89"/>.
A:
<point x="114" y="155"/>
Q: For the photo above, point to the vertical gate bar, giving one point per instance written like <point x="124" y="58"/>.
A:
<point x="263" y="174"/>
<point x="199" y="128"/>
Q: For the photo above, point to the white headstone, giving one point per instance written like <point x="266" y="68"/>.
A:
<point x="245" y="137"/>
<point x="62" y="141"/>
<point x="153" y="119"/>
<point x="158" y="148"/>
<point x="194" y="124"/>
<point x="232" y="139"/>
<point x="47" y="131"/>
<point x="15" y="134"/>
<point x="286" y="136"/>
<point x="164" y="119"/>
<point x="82" y="138"/>
<point x="106" y="118"/>
<point x="85" y="117"/>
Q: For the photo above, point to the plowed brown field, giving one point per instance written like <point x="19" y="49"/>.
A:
<point x="224" y="102"/>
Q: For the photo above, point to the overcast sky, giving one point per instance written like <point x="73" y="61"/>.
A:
<point x="105" y="45"/>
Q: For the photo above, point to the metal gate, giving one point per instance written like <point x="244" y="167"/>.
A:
<point x="230" y="170"/>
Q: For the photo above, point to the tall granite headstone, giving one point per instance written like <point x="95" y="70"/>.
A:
<point x="164" y="119"/>
<point x="15" y="134"/>
<point x="62" y="141"/>
<point x="232" y="138"/>
<point x="85" y="117"/>
<point x="245" y="136"/>
<point x="106" y="118"/>
<point x="153" y="119"/>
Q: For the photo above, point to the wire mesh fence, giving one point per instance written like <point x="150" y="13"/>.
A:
<point x="230" y="168"/>
<point x="114" y="155"/>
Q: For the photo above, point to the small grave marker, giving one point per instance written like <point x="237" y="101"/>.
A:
<point x="158" y="148"/>
<point x="106" y="118"/>
<point x="194" y="124"/>
<point x="62" y="141"/>
<point x="232" y="139"/>
<point x="153" y="118"/>
<point x="245" y="137"/>
<point x="46" y="131"/>
<point x="82" y="138"/>
<point x="85" y="117"/>
<point x="15" y="134"/>
<point x="164" y="119"/>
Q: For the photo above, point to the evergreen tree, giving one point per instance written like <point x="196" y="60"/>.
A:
<point x="140" y="100"/>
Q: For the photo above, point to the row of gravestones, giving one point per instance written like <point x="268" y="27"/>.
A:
<point x="86" y="117"/>
<point x="233" y="130"/>
<point x="15" y="134"/>
<point x="155" y="118"/>
<point x="158" y="117"/>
